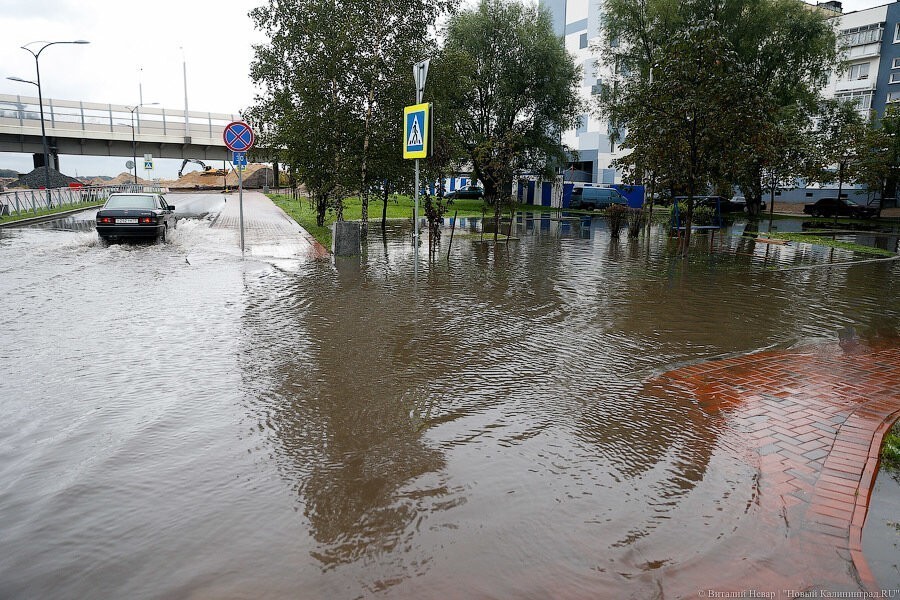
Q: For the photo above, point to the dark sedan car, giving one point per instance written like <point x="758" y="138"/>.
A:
<point x="135" y="215"/>
<point x="472" y="192"/>
<point x="831" y="207"/>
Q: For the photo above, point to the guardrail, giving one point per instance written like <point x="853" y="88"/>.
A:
<point x="23" y="202"/>
<point x="20" y="114"/>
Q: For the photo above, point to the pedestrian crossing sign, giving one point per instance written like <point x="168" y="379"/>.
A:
<point x="417" y="131"/>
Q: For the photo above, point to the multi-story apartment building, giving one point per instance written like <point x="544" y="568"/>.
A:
<point x="870" y="40"/>
<point x="579" y="22"/>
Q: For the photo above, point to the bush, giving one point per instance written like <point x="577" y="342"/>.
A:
<point x="703" y="215"/>
<point x="637" y="218"/>
<point x="616" y="215"/>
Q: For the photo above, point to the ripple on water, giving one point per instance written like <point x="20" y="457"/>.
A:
<point x="331" y="429"/>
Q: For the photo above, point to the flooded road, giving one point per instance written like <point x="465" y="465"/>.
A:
<point x="177" y="422"/>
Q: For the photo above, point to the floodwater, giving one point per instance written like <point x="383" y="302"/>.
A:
<point x="178" y="423"/>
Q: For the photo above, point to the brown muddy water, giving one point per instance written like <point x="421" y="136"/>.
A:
<point x="178" y="423"/>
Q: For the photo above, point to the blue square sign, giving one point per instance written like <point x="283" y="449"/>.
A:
<point x="416" y="129"/>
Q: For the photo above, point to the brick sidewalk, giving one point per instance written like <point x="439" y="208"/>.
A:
<point x="812" y="421"/>
<point x="268" y="230"/>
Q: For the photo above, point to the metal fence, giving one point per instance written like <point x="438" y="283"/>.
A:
<point x="35" y="202"/>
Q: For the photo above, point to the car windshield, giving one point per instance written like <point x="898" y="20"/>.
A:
<point x="131" y="201"/>
<point x="850" y="202"/>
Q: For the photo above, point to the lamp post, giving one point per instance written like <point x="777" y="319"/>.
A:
<point x="133" y="145"/>
<point x="37" y="66"/>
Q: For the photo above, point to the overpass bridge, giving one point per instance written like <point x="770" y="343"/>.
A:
<point x="91" y="129"/>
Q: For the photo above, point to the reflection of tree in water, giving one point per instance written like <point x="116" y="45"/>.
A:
<point x="659" y="441"/>
<point x="348" y="404"/>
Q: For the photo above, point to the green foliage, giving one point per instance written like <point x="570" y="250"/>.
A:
<point x="514" y="88"/>
<point x="842" y="138"/>
<point x="333" y="89"/>
<point x="616" y="217"/>
<point x="435" y="207"/>
<point x="683" y="125"/>
<point x="832" y="243"/>
<point x="779" y="54"/>
<point x="890" y="449"/>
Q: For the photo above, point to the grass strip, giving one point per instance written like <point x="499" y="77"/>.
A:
<point x="44" y="212"/>
<point x="831" y="243"/>
<point x="399" y="207"/>
<point x="890" y="448"/>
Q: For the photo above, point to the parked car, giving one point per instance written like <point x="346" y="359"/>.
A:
<point x="135" y="215"/>
<point x="596" y="197"/>
<point x="830" y="207"/>
<point x="471" y="192"/>
<point x="735" y="204"/>
<point x="739" y="204"/>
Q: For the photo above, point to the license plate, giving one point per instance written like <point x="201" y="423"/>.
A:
<point x="132" y="221"/>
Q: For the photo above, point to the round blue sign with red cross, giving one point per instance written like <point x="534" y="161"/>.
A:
<point x="238" y="136"/>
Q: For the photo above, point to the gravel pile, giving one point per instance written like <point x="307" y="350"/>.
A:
<point x="37" y="179"/>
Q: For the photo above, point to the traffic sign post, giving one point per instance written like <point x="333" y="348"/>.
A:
<point x="417" y="142"/>
<point x="239" y="138"/>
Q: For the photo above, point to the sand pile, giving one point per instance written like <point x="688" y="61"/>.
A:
<point x="124" y="177"/>
<point x="255" y="176"/>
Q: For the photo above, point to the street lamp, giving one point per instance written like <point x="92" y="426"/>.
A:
<point x="37" y="66"/>
<point x="133" y="146"/>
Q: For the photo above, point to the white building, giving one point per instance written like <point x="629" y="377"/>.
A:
<point x="579" y="23"/>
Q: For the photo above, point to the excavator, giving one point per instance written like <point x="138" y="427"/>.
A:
<point x="207" y="170"/>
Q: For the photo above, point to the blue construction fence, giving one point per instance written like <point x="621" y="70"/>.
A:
<point x="541" y="193"/>
<point x="535" y="193"/>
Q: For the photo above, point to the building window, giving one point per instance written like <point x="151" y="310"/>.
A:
<point x="582" y="40"/>
<point x="860" y="71"/>
<point x="895" y="64"/>
<point x="862" y="100"/>
<point x="893" y="96"/>
<point x="895" y="78"/>
<point x="897" y="34"/>
<point x="859" y="36"/>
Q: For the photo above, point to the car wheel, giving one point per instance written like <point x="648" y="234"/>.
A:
<point x="162" y="235"/>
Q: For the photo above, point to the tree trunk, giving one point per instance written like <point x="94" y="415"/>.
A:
<point x="384" y="207"/>
<point x="321" y="206"/>
<point x="364" y="188"/>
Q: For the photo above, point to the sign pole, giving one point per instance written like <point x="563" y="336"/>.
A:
<point x="416" y="221"/>
<point x="420" y="70"/>
<point x="241" y="204"/>
<point x="239" y="138"/>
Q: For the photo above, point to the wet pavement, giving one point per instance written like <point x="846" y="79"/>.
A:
<point x="811" y="421"/>
<point x="181" y="422"/>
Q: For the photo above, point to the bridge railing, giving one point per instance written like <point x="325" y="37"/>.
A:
<point x="37" y="202"/>
<point x="22" y="113"/>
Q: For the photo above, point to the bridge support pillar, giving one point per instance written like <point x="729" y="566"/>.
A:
<point x="38" y="159"/>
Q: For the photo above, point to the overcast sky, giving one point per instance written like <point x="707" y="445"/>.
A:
<point x="139" y="43"/>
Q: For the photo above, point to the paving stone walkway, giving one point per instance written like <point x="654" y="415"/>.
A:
<point x="268" y="230"/>
<point x="812" y="420"/>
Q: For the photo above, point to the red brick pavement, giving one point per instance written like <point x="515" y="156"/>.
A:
<point x="813" y="421"/>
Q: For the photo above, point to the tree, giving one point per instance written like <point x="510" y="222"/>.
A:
<point x="390" y="37"/>
<point x="785" y="151"/>
<point x="682" y="124"/>
<point x="890" y="126"/>
<point x="784" y="52"/>
<point x="335" y="75"/>
<point x="516" y="90"/>
<point x="838" y="139"/>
